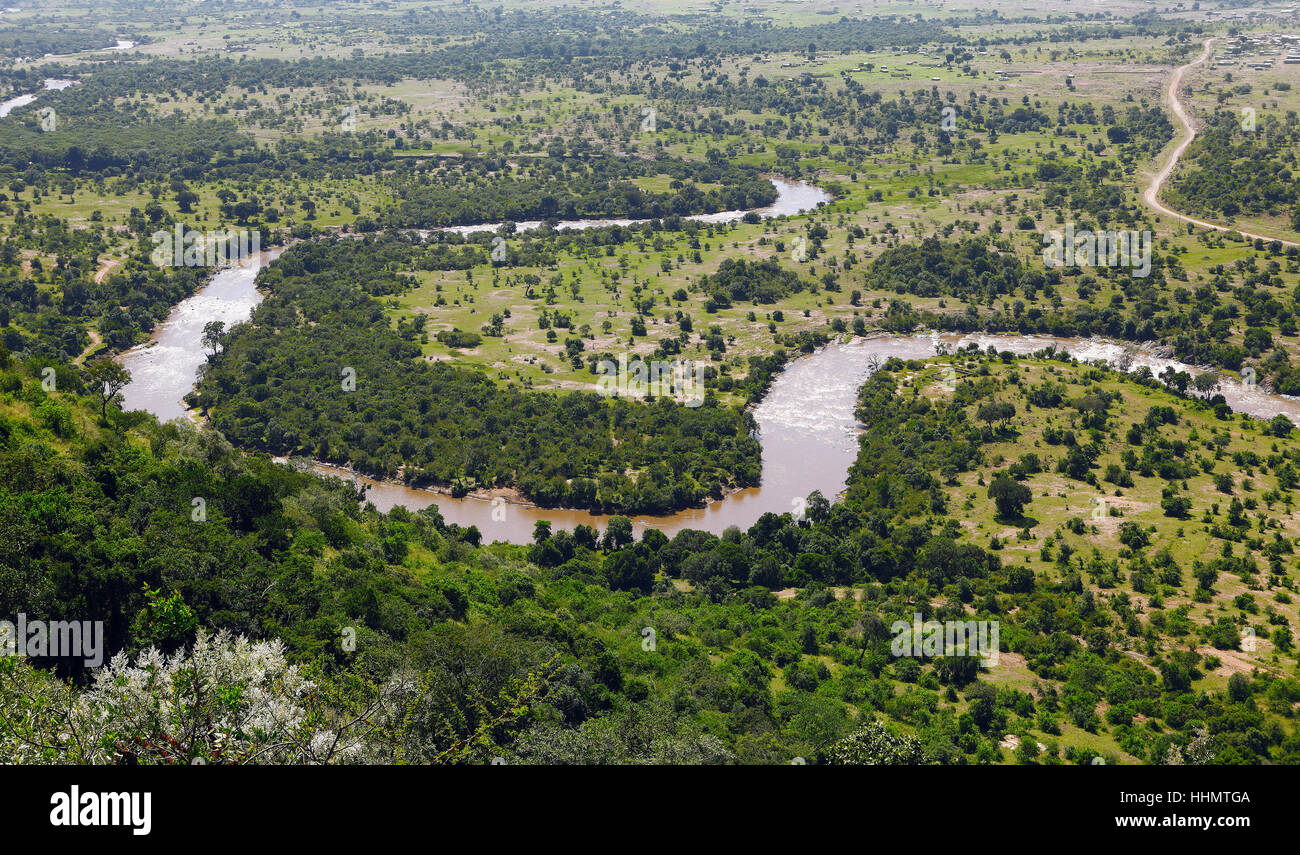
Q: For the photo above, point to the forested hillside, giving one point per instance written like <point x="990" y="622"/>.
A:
<point x="757" y="646"/>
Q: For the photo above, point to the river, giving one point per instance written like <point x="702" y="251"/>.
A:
<point x="806" y="425"/>
<point x="7" y="107"/>
<point x="792" y="197"/>
<point x="808" y="435"/>
<point x="164" y="369"/>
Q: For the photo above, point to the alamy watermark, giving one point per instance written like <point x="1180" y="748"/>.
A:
<point x="946" y="638"/>
<point x="57" y="639"/>
<point x="680" y="380"/>
<point x="1085" y="248"/>
<point x="182" y="247"/>
<point x="133" y="810"/>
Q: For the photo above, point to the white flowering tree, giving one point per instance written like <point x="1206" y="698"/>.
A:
<point x="227" y="700"/>
<point x="875" y="745"/>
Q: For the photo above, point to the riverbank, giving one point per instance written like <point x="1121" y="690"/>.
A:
<point x="164" y="368"/>
<point x="806" y="428"/>
<point x="512" y="496"/>
<point x="805" y="420"/>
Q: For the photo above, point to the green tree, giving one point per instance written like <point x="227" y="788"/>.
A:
<point x="618" y="533"/>
<point x="1009" y="495"/>
<point x="212" y="333"/>
<point x="108" y="379"/>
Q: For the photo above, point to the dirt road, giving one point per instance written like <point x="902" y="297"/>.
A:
<point x="1152" y="195"/>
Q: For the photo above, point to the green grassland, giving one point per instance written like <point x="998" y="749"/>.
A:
<point x="1068" y="516"/>
<point x="895" y="191"/>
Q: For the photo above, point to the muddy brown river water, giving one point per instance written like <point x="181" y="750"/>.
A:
<point x="808" y="436"/>
<point x="806" y="425"/>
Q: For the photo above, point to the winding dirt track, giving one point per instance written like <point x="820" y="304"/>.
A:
<point x="105" y="268"/>
<point x="95" y="341"/>
<point x="1152" y="195"/>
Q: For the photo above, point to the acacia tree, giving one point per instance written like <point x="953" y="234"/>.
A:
<point x="212" y="333"/>
<point x="996" y="411"/>
<point x="1177" y="380"/>
<point x="1009" y="495"/>
<point x="108" y="380"/>
<point x="1207" y="383"/>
